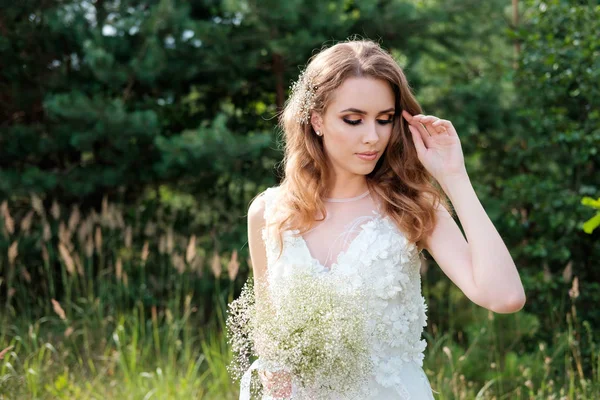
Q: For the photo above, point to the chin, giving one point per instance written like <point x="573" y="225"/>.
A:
<point x="366" y="170"/>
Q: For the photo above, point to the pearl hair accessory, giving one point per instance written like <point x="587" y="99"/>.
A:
<point x="303" y="93"/>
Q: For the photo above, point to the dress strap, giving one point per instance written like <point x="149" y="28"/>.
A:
<point x="269" y="196"/>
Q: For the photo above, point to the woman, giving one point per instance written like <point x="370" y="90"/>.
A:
<point x="359" y="198"/>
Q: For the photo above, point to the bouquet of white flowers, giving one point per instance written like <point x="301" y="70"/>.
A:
<point x="312" y="326"/>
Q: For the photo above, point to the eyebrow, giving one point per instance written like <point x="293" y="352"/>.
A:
<point x="357" y="111"/>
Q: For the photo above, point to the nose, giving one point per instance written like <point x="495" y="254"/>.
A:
<point x="371" y="135"/>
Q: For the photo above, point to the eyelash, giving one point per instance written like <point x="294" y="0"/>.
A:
<point x="356" y="122"/>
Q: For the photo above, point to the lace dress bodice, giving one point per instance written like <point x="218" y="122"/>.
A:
<point x="366" y="248"/>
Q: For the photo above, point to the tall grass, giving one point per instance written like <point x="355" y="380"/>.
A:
<point x="94" y="307"/>
<point x="488" y="356"/>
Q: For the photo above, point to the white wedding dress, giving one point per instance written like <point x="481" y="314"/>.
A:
<point x="363" y="245"/>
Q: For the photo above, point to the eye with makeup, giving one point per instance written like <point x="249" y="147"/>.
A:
<point x="358" y="121"/>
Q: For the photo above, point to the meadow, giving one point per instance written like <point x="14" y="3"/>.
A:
<point x="131" y="323"/>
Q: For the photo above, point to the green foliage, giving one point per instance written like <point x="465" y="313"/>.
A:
<point x="107" y="110"/>
<point x="553" y="147"/>
<point x="594" y="222"/>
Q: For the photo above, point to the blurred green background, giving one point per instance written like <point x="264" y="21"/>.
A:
<point x="133" y="135"/>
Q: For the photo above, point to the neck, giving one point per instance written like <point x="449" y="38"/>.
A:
<point x="348" y="188"/>
<point x="345" y="199"/>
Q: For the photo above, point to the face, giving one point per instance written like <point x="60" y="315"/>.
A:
<point x="358" y="120"/>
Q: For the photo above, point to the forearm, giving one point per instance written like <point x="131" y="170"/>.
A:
<point x="494" y="271"/>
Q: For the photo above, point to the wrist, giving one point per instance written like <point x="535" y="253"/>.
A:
<point x="452" y="184"/>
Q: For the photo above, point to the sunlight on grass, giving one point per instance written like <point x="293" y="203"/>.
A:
<point x="130" y="321"/>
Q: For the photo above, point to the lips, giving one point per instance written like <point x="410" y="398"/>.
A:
<point x="370" y="153"/>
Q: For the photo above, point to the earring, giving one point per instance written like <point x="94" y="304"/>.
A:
<point x="319" y="133"/>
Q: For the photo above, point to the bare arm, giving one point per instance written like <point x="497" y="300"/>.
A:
<point x="256" y="245"/>
<point x="481" y="267"/>
<point x="258" y="256"/>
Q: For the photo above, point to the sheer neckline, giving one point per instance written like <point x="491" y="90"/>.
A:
<point x="346" y="199"/>
<point x="376" y="217"/>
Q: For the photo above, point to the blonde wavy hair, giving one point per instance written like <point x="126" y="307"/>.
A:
<point x="408" y="193"/>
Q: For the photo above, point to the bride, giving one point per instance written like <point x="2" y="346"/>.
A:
<point x="360" y="200"/>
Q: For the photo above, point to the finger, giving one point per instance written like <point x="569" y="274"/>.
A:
<point x="439" y="128"/>
<point x="432" y="130"/>
<point x="407" y="116"/>
<point x="448" y="126"/>
<point x="417" y="118"/>
<point x="420" y="119"/>
<point x="417" y="140"/>
<point x="425" y="134"/>
<point x="426" y="119"/>
<point x="429" y="121"/>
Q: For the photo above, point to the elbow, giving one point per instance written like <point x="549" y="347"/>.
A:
<point x="512" y="304"/>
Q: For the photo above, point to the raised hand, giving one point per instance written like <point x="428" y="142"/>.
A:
<point x="438" y="146"/>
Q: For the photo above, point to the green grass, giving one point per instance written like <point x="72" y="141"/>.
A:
<point x="121" y="357"/>
<point x="132" y="324"/>
<point x="168" y="356"/>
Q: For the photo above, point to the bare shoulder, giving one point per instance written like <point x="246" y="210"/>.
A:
<point x="256" y="211"/>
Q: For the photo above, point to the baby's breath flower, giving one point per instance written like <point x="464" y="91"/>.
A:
<point x="303" y="94"/>
<point x="312" y="326"/>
